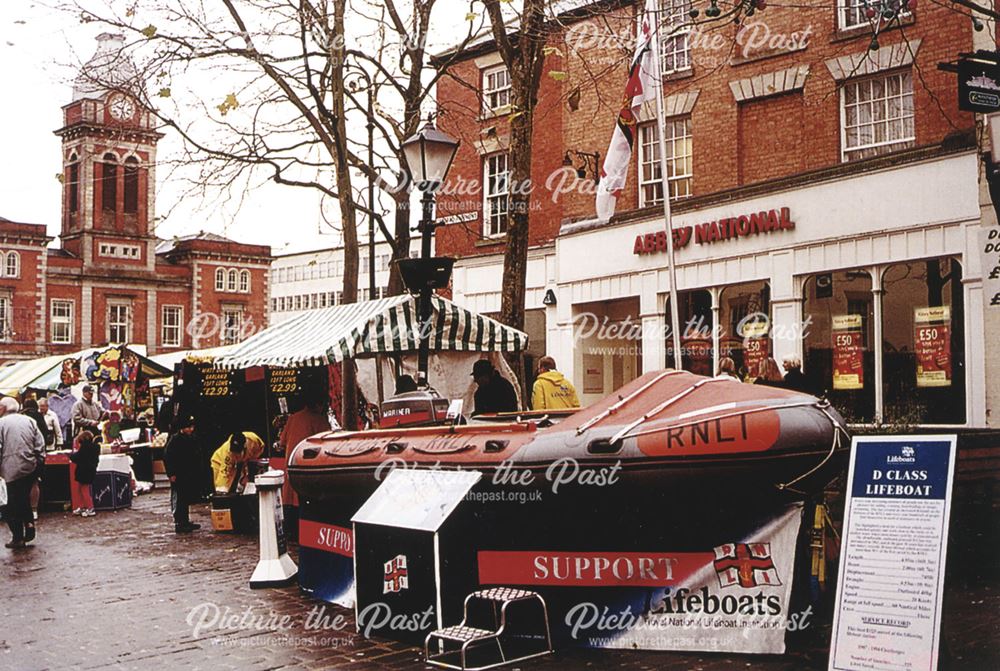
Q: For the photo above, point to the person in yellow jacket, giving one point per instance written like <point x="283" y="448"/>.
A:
<point x="229" y="463"/>
<point x="551" y="390"/>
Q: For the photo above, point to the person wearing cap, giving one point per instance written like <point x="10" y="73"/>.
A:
<point x="495" y="393"/>
<point x="182" y="461"/>
<point x="551" y="390"/>
<point x="86" y="413"/>
<point x="229" y="463"/>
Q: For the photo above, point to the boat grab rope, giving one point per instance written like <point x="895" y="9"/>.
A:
<point x="837" y="430"/>
<point x="611" y="410"/>
<point x="663" y="406"/>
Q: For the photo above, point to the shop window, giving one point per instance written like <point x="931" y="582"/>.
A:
<point x="696" y="324"/>
<point x="131" y="182"/>
<point x="838" y="326"/>
<point x="923" y="335"/>
<point x="745" y="314"/>
<point x="109" y="183"/>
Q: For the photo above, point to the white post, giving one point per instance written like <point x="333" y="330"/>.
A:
<point x="275" y="568"/>
<point x="674" y="305"/>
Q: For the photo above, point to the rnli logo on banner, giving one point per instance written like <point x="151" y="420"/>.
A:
<point x="394" y="579"/>
<point x="745" y="564"/>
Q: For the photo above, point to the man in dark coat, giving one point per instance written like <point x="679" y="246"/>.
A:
<point x="495" y="393"/>
<point x="182" y="459"/>
<point x="794" y="378"/>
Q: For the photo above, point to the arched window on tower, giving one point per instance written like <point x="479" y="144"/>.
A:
<point x="232" y="280"/>
<point x="220" y="279"/>
<point x="244" y="281"/>
<point x="131" y="185"/>
<point x="73" y="177"/>
<point x="109" y="183"/>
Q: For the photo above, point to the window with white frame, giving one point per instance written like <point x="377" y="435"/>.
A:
<point x="118" y="251"/>
<point x="119" y="321"/>
<point x="496" y="194"/>
<point x="854" y="13"/>
<point x="245" y="281"/>
<point x="679" y="161"/>
<point x="11" y="264"/>
<point x="877" y="115"/>
<point x="496" y="89"/>
<point x="6" y="317"/>
<point x="62" y="321"/>
<point x="232" y="324"/>
<point x="220" y="279"/>
<point x="170" y="320"/>
<point x="675" y="33"/>
<point x="232" y="279"/>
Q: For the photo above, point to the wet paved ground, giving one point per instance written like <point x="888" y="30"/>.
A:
<point x="115" y="591"/>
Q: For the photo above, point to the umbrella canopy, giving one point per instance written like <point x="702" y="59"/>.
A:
<point x="388" y="325"/>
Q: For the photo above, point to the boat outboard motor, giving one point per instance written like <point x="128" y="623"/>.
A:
<point x="414" y="408"/>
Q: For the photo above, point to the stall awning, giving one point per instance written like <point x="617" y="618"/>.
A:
<point x="388" y="325"/>
<point x="170" y="359"/>
<point x="45" y="374"/>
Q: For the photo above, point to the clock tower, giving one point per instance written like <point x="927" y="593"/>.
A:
<point x="109" y="158"/>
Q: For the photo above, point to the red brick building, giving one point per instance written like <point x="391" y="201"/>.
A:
<point x="112" y="280"/>
<point x="857" y="142"/>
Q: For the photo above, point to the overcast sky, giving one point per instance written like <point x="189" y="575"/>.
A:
<point x="37" y="49"/>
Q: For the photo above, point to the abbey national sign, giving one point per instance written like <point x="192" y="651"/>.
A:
<point x="730" y="228"/>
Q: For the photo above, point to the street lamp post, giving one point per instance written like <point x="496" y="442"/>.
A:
<point x="428" y="155"/>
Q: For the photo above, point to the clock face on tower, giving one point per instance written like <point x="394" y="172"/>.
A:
<point x="122" y="107"/>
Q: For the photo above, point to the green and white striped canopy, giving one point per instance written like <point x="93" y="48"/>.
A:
<point x="388" y="325"/>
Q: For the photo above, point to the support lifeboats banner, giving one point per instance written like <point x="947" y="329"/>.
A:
<point x="891" y="581"/>
<point x="732" y="597"/>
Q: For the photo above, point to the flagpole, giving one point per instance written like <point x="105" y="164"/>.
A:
<point x="661" y="123"/>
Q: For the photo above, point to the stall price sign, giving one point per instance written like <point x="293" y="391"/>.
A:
<point x="756" y="347"/>
<point x="283" y="381"/>
<point x="989" y="248"/>
<point x="891" y="582"/>
<point x="932" y="345"/>
<point x="215" y="382"/>
<point x="848" y="347"/>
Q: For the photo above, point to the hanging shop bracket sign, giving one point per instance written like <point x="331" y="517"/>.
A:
<point x="721" y="230"/>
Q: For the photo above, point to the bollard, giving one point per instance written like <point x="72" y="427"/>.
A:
<point x="275" y="568"/>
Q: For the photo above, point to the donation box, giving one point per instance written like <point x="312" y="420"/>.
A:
<point x="414" y="554"/>
<point x="112" y="488"/>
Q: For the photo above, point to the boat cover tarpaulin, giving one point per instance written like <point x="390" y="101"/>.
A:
<point x="388" y="325"/>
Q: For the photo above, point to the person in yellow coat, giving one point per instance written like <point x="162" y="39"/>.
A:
<point x="551" y="390"/>
<point x="229" y="463"/>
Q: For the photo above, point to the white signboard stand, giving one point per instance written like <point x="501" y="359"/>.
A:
<point x="891" y="578"/>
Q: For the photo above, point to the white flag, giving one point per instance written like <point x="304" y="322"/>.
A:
<point x="640" y="87"/>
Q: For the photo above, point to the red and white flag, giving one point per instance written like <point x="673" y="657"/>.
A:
<point x="641" y="87"/>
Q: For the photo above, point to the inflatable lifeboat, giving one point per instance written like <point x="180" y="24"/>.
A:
<point x="668" y="436"/>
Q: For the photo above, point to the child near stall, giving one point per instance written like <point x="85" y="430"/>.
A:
<point x="86" y="454"/>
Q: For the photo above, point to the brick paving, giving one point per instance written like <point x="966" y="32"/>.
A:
<point x="114" y="591"/>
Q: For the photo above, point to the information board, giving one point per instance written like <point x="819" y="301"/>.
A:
<point x="989" y="249"/>
<point x="891" y="578"/>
